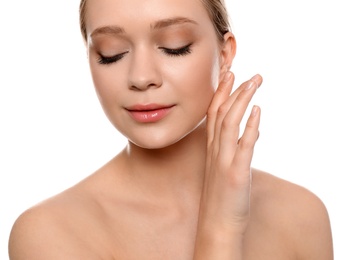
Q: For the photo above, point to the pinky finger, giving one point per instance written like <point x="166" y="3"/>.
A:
<point x="246" y="144"/>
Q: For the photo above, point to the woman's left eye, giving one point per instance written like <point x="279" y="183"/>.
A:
<point x="179" y="51"/>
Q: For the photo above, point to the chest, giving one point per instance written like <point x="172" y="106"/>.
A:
<point x="150" y="239"/>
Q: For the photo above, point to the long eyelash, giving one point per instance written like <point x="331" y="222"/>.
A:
<point x="178" y="52"/>
<point x="182" y="51"/>
<point x="108" y="60"/>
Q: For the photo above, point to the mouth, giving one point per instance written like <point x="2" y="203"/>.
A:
<point x="149" y="113"/>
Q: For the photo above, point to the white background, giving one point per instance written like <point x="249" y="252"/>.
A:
<point x="53" y="132"/>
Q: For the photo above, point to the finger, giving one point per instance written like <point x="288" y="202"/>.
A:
<point x="225" y="107"/>
<point x="244" y="152"/>
<point x="229" y="129"/>
<point x="222" y="93"/>
<point x="257" y="137"/>
<point x="257" y="79"/>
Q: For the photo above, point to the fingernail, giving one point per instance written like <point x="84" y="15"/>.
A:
<point x="255" y="110"/>
<point x="257" y="78"/>
<point x="227" y="76"/>
<point x="251" y="84"/>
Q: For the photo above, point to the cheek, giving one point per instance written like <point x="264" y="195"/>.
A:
<point x="197" y="77"/>
<point x="106" y="84"/>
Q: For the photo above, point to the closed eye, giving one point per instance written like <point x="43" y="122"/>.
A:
<point x="112" y="59"/>
<point x="185" y="50"/>
<point x="179" y="51"/>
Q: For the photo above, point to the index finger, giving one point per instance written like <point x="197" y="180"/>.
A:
<point x="223" y="92"/>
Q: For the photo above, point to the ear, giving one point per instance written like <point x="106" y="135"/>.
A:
<point x="87" y="49"/>
<point x="228" y="51"/>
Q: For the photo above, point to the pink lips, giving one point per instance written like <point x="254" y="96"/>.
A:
<point x="149" y="113"/>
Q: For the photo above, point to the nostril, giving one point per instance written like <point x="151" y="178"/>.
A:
<point x="142" y="85"/>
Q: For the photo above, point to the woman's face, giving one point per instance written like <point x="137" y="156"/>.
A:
<point x="155" y="66"/>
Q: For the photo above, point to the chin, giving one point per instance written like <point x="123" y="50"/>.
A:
<point x="167" y="139"/>
<point x="153" y="143"/>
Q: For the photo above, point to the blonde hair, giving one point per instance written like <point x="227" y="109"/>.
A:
<point x="216" y="10"/>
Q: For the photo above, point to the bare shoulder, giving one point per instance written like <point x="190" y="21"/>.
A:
<point x="293" y="213"/>
<point x="70" y="225"/>
<point x="61" y="227"/>
<point x="47" y="231"/>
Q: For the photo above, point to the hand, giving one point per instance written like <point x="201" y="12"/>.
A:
<point x="225" y="201"/>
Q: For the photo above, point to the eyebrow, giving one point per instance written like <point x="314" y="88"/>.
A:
<point x="116" y="30"/>
<point x="171" y="21"/>
<point x="109" y="30"/>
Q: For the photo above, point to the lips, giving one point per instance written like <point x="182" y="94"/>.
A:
<point x="149" y="113"/>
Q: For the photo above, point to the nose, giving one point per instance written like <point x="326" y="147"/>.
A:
<point x="144" y="71"/>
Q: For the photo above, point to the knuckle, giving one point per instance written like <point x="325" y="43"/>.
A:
<point x="246" y="143"/>
<point x="238" y="178"/>
<point x="211" y="113"/>
<point x="221" y="89"/>
<point x="222" y="110"/>
<point x="229" y="124"/>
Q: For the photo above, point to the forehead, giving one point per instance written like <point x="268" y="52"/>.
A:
<point x="142" y="13"/>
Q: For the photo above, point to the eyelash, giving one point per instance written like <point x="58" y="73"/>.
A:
<point x="182" y="51"/>
<point x="108" y="60"/>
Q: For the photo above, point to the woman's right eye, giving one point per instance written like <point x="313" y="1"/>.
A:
<point x="112" y="59"/>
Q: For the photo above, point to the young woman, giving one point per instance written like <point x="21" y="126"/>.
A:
<point x="183" y="188"/>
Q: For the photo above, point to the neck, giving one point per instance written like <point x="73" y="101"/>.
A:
<point x="172" y="170"/>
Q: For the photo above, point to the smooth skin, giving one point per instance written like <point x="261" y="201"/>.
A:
<point x="183" y="188"/>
